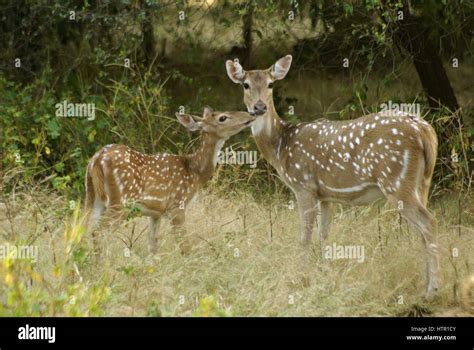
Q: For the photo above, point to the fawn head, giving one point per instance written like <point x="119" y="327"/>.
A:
<point x="258" y="84"/>
<point x="220" y="124"/>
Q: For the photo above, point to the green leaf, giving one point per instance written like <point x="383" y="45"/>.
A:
<point x="36" y="140"/>
<point x="348" y="9"/>
<point x="91" y="136"/>
<point x="59" y="167"/>
<point x="53" y="128"/>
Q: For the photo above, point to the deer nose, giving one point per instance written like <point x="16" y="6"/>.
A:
<point x="260" y="108"/>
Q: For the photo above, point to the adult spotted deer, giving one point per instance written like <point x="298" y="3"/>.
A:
<point x="357" y="161"/>
<point x="162" y="183"/>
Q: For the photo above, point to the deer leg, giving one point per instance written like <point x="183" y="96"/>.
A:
<point x="94" y="208"/>
<point x="115" y="212"/>
<point x="307" y="211"/>
<point x="324" y="221"/>
<point x="424" y="191"/>
<point x="92" y="220"/>
<point x="153" y="225"/>
<point x="178" y="224"/>
<point x="426" y="224"/>
<point x="307" y="206"/>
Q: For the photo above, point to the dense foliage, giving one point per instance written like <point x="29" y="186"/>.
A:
<point x="140" y="61"/>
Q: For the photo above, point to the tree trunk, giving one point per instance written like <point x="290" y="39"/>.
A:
<point x="247" y="32"/>
<point x="414" y="39"/>
<point x="148" y="44"/>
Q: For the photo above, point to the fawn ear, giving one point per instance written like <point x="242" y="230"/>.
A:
<point x="207" y="112"/>
<point x="279" y="70"/>
<point x="188" y="121"/>
<point x="235" y="71"/>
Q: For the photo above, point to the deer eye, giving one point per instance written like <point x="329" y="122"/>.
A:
<point x="223" y="118"/>
<point x="246" y="86"/>
<point x="270" y="85"/>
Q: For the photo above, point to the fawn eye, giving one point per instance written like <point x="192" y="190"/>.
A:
<point x="270" y="85"/>
<point x="223" y="118"/>
<point x="246" y="86"/>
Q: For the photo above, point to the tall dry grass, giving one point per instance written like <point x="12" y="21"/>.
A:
<point x="245" y="261"/>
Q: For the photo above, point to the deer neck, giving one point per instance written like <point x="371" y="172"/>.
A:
<point x="203" y="162"/>
<point x="269" y="133"/>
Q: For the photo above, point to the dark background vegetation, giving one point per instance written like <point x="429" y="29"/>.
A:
<point x="175" y="62"/>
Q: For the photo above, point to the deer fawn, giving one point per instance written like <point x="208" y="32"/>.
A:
<point x="356" y="161"/>
<point x="163" y="183"/>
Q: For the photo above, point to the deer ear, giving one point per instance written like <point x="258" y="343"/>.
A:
<point x="279" y="70"/>
<point x="188" y="121"/>
<point x="207" y="112"/>
<point x="235" y="71"/>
